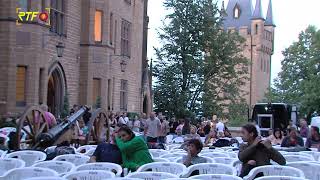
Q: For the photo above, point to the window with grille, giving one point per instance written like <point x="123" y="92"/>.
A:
<point x="21" y="75"/>
<point x="57" y="16"/>
<point x="125" y="38"/>
<point x="123" y="95"/>
<point x="98" y="26"/>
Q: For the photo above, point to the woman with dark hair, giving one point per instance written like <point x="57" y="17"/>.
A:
<point x="314" y="140"/>
<point x="276" y="138"/>
<point x="134" y="150"/>
<point x="293" y="139"/>
<point x="186" y="127"/>
<point x="256" y="152"/>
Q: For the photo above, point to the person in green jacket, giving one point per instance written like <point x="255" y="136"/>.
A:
<point x="134" y="150"/>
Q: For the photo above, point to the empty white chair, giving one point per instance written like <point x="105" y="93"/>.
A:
<point x="211" y="168"/>
<point x="90" y="152"/>
<point x="225" y="160"/>
<point x="311" y="171"/>
<point x="160" y="160"/>
<point x="111" y="167"/>
<point x="158" y="152"/>
<point x="233" y="154"/>
<point x="176" y="179"/>
<point x="85" y="148"/>
<point x="177" y="151"/>
<point x="301" y="154"/>
<point x="89" y="174"/>
<point x="28" y="156"/>
<point x="46" y="178"/>
<point x="151" y="175"/>
<point x="280" y="178"/>
<point x="169" y="167"/>
<point x="172" y="146"/>
<point x="76" y="159"/>
<point x="173" y="155"/>
<point x="214" y="154"/>
<point x="28" y="172"/>
<point x="123" y="178"/>
<point x="208" y="160"/>
<point x="216" y="177"/>
<point x="297" y="158"/>
<point x="315" y="154"/>
<point x="274" y="170"/>
<point x="7" y="164"/>
<point x="169" y="139"/>
<point x="61" y="167"/>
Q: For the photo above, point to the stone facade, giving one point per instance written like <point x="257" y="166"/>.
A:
<point x="259" y="42"/>
<point x="33" y="45"/>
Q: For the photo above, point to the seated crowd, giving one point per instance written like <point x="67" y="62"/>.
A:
<point x="130" y="141"/>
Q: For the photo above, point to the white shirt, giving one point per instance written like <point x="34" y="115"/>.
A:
<point x="126" y="120"/>
<point x="121" y="121"/>
<point x="220" y="127"/>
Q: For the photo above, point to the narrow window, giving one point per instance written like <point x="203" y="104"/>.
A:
<point x="21" y="75"/>
<point x="98" y="26"/>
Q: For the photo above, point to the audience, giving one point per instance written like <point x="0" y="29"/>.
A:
<point x="173" y="125"/>
<point x="256" y="152"/>
<point x="193" y="134"/>
<point x="186" y="127"/>
<point x="314" y="140"/>
<point x="304" y="129"/>
<point x="164" y="129"/>
<point x="194" y="147"/>
<point x="293" y="139"/>
<point x="276" y="138"/>
<point x="201" y="131"/>
<point x="207" y="128"/>
<point x="134" y="150"/>
<point x="211" y="138"/>
<point x="136" y="124"/>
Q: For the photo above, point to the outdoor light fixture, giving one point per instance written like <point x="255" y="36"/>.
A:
<point x="60" y="48"/>
<point x="123" y="62"/>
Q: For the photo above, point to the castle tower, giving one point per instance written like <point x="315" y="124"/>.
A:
<point x="258" y="33"/>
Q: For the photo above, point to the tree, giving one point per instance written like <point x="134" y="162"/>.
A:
<point x="298" y="82"/>
<point x="197" y="62"/>
<point x="98" y="102"/>
<point x="66" y="109"/>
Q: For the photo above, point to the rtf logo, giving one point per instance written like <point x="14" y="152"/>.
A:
<point x="30" y="16"/>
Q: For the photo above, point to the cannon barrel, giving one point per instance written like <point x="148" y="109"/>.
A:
<point x="49" y="138"/>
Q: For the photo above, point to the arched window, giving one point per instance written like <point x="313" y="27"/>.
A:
<point x="236" y="12"/>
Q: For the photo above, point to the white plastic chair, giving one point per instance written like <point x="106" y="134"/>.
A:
<point x="211" y="168"/>
<point x="225" y="160"/>
<point x="178" y="140"/>
<point x="155" y="153"/>
<point x="28" y="156"/>
<point x="90" y="152"/>
<point x="46" y="178"/>
<point x="274" y="170"/>
<point x="3" y="153"/>
<point x="85" y="148"/>
<point x="214" y="154"/>
<point x="176" y="179"/>
<point x="172" y="146"/>
<point x="311" y="171"/>
<point x="7" y="164"/>
<point x="173" y="155"/>
<point x="315" y="154"/>
<point x="61" y="167"/>
<point x="177" y="151"/>
<point x="169" y="139"/>
<point x="123" y="178"/>
<point x="297" y="158"/>
<point x="76" y="159"/>
<point x="28" y="172"/>
<point x="280" y="178"/>
<point x="233" y="155"/>
<point x="301" y="154"/>
<point x="89" y="174"/>
<point x="160" y="160"/>
<point x="216" y="177"/>
<point x="208" y="160"/>
<point x="238" y="166"/>
<point x="151" y="175"/>
<point x="111" y="167"/>
<point x="50" y="149"/>
<point x="168" y="167"/>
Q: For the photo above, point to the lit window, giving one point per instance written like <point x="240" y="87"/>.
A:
<point x="236" y="13"/>
<point x="97" y="26"/>
<point x="21" y="85"/>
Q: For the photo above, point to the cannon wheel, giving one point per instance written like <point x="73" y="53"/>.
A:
<point x="32" y="123"/>
<point x="97" y="124"/>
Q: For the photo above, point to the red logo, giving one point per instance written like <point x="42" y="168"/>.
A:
<point x="43" y="16"/>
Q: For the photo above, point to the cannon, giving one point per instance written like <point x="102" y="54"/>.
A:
<point x="33" y="131"/>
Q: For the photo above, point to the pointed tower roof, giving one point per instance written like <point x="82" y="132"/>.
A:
<point x="269" y="19"/>
<point x="244" y="8"/>
<point x="257" y="14"/>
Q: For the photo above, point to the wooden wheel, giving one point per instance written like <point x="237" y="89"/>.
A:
<point x="99" y="128"/>
<point x="29" y="126"/>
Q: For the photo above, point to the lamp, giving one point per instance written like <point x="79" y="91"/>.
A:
<point x="123" y="62"/>
<point x="60" y="48"/>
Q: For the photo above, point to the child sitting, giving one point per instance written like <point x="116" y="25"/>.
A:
<point x="194" y="147"/>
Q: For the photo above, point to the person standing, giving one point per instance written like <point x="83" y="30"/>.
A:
<point x="136" y="124"/>
<point x="164" y="130"/>
<point x="152" y="128"/>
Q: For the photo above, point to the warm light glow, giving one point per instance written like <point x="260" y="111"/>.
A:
<point x="97" y="26"/>
<point x="236" y="13"/>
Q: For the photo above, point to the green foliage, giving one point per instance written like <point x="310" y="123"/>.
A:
<point x="98" y="103"/>
<point x="197" y="62"/>
<point x="298" y="82"/>
<point x="66" y="107"/>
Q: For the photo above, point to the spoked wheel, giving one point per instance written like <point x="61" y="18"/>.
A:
<point x="99" y="128"/>
<point x="29" y="126"/>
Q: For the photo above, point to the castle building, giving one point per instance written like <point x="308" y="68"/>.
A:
<point x="90" y="50"/>
<point x="258" y="32"/>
